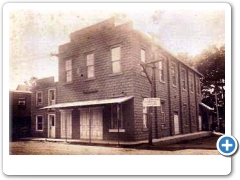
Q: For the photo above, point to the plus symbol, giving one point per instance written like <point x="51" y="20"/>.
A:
<point x="227" y="145"/>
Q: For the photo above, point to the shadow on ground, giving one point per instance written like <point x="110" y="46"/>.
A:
<point x="207" y="143"/>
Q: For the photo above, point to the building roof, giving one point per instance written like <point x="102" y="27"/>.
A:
<point x="23" y="87"/>
<point x="89" y="103"/>
<point x="20" y="91"/>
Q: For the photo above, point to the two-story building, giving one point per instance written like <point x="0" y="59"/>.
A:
<point x="43" y="122"/>
<point x="102" y="86"/>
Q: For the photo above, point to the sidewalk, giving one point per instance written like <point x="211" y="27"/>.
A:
<point x="161" y="141"/>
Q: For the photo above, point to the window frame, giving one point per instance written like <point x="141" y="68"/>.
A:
<point x="22" y="102"/>
<point x="37" y="124"/>
<point x="37" y="103"/>
<point x="174" y="74"/>
<point x="113" y="119"/>
<point x="89" y="65"/>
<point x="49" y="101"/>
<point x="161" y="71"/>
<point x="198" y="85"/>
<point x="116" y="61"/>
<point x="145" y="117"/>
<point x="191" y="82"/>
<point x="183" y="79"/>
<point x="68" y="71"/>
<point x="162" y="111"/>
<point x="184" y="114"/>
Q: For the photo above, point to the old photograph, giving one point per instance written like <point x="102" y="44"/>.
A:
<point x="116" y="81"/>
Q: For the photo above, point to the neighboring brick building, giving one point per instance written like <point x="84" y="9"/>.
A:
<point x="19" y="114"/>
<point x="101" y="88"/>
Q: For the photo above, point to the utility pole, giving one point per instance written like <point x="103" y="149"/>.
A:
<point x="152" y="82"/>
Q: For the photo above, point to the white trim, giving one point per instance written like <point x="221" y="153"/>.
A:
<point x="90" y="103"/>
<point x="36" y="127"/>
<point x="119" y="60"/>
<point x="116" y="130"/>
<point x="51" y="114"/>
<point x="49" y="96"/>
<point x="37" y="98"/>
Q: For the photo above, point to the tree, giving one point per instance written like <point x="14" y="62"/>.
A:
<point x="185" y="57"/>
<point x="211" y="63"/>
<point x="31" y="82"/>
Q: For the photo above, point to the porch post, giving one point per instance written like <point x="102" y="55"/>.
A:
<point x="65" y="116"/>
<point x="90" y="133"/>
<point x="118" y="118"/>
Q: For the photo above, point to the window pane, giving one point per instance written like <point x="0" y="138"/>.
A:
<point x="39" y="98"/>
<point x="116" y="66"/>
<point x="115" y="54"/>
<point x="90" y="71"/>
<point x="68" y="65"/>
<point x="161" y="72"/>
<point x="174" y="81"/>
<point x="90" y="59"/>
<point x="114" y="117"/>
<point x="69" y="76"/>
<point x="39" y="123"/>
<point x="160" y="65"/>
<point x="143" y="55"/>
<point x="145" y="117"/>
<point x="144" y="120"/>
<point x="52" y="95"/>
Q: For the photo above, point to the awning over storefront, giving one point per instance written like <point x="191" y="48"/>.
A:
<point x="89" y="103"/>
<point x="206" y="106"/>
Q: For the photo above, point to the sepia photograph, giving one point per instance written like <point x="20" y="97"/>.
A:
<point x="105" y="79"/>
<point x="116" y="81"/>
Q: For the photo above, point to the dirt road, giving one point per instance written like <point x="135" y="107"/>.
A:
<point x="60" y="148"/>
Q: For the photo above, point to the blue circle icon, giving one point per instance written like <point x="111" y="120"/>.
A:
<point x="227" y="145"/>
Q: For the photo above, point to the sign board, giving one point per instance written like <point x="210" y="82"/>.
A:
<point x="150" y="102"/>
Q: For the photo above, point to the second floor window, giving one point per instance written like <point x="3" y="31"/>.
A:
<point x="68" y="68"/>
<point x="39" y="98"/>
<point x="90" y="66"/>
<point x="161" y="71"/>
<point x="183" y="78"/>
<point x="115" y="57"/>
<point x="143" y="55"/>
<point x="174" y="74"/>
<point x="21" y="103"/>
<point x="191" y="81"/>
<point x="51" y="96"/>
<point x="198" y="86"/>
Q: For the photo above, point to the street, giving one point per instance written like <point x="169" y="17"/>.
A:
<point x="203" y="146"/>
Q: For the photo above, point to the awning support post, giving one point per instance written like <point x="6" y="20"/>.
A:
<point x="90" y="123"/>
<point x="118" y="118"/>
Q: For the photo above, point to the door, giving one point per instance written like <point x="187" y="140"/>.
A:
<point x="51" y="125"/>
<point x="176" y="123"/>
<point x="96" y="125"/>
<point x="66" y="124"/>
<point x="84" y="125"/>
<point x="91" y="124"/>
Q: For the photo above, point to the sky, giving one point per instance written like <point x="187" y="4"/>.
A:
<point x="36" y="33"/>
